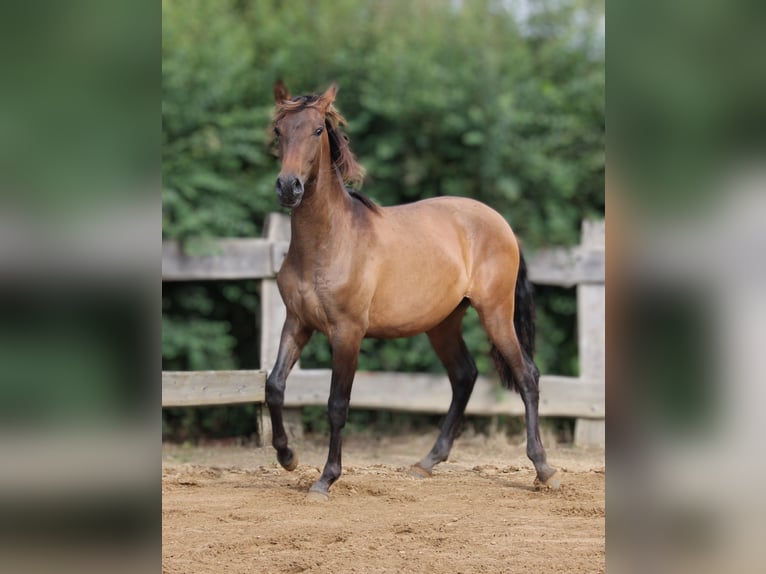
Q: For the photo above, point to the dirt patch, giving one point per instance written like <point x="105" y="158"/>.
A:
<point x="233" y="509"/>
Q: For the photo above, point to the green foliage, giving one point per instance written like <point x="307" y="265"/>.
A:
<point x="465" y="99"/>
<point x="190" y="425"/>
<point x="556" y="322"/>
<point x="209" y="325"/>
<point x="213" y="129"/>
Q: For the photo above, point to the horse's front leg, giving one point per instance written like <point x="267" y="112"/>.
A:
<point x="345" y="354"/>
<point x="294" y="338"/>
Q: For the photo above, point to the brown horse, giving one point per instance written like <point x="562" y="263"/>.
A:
<point x="356" y="270"/>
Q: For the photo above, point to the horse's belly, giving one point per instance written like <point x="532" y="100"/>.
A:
<point x="409" y="313"/>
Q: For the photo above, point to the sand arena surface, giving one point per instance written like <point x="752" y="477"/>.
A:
<point x="234" y="509"/>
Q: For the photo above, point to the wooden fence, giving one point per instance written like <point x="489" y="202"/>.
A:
<point x="580" y="397"/>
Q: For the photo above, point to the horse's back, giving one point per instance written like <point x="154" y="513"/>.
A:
<point x="466" y="212"/>
<point x="456" y="223"/>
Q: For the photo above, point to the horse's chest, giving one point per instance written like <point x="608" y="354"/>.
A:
<point x="308" y="301"/>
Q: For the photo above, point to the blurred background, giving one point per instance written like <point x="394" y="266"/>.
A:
<point x="686" y="237"/>
<point x="79" y="242"/>
<point x="500" y="101"/>
<point x="95" y="95"/>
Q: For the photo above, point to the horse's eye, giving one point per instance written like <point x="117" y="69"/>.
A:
<point x="276" y="131"/>
<point x="318" y="131"/>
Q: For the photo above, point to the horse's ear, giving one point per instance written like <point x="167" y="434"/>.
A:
<point x="280" y="92"/>
<point x="329" y="96"/>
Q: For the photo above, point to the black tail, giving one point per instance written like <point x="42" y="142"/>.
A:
<point x="523" y="323"/>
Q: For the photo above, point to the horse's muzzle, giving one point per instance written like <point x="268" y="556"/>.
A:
<point x="289" y="190"/>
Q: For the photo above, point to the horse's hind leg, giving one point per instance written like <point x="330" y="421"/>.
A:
<point x="519" y="371"/>
<point x="448" y="343"/>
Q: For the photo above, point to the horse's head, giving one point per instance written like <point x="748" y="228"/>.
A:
<point x="300" y="126"/>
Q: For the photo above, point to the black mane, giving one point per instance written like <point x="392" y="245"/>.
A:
<point x="366" y="201"/>
<point x="339" y="143"/>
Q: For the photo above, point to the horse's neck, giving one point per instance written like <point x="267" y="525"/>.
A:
<point x="325" y="218"/>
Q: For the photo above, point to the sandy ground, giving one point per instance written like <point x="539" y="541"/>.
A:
<point x="234" y="509"/>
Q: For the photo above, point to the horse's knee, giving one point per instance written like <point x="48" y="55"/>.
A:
<point x="275" y="393"/>
<point x="337" y="412"/>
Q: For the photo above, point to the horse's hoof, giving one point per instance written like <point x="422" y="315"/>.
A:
<point x="553" y="482"/>
<point x="417" y="471"/>
<point x="317" y="496"/>
<point x="291" y="463"/>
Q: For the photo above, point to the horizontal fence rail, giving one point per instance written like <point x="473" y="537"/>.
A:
<point x="225" y="259"/>
<point x="204" y="388"/>
<point x="407" y="392"/>
<point x="260" y="259"/>
<point x="580" y="397"/>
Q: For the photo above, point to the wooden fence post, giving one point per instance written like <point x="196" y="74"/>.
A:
<point x="273" y="313"/>
<point x="591" y="335"/>
<point x="277" y="231"/>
